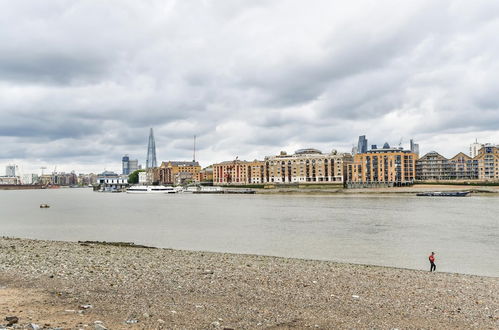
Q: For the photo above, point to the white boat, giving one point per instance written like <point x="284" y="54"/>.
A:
<point x="152" y="190"/>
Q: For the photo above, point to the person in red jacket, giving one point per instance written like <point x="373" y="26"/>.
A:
<point x="432" y="262"/>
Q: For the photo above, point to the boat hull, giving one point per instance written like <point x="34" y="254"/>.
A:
<point x="444" y="194"/>
<point x="152" y="190"/>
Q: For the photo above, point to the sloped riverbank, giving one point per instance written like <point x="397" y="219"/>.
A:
<point x="72" y="285"/>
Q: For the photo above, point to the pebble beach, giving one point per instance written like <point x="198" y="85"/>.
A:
<point x="93" y="285"/>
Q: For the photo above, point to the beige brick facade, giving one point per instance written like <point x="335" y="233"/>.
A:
<point x="488" y="163"/>
<point x="306" y="166"/>
<point x="238" y="172"/>
<point x="385" y="166"/>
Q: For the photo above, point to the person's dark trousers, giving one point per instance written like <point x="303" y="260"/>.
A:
<point x="432" y="267"/>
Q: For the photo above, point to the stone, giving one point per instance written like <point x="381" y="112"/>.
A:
<point x="99" y="326"/>
<point x="132" y="321"/>
<point x="34" y="326"/>
<point x="11" y="320"/>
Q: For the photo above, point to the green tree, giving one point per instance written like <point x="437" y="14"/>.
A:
<point x="134" y="177"/>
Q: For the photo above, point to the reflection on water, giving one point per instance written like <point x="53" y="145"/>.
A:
<point x="390" y="230"/>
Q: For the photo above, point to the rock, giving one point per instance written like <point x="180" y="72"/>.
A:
<point x="145" y="315"/>
<point x="86" y="306"/>
<point x="354" y="296"/>
<point x="99" y="326"/>
<point x="132" y="321"/>
<point x="34" y="326"/>
<point x="161" y="321"/>
<point x="11" y="320"/>
<point x="215" y="324"/>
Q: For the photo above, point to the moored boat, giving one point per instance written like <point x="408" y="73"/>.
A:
<point x="152" y="190"/>
<point x="444" y="194"/>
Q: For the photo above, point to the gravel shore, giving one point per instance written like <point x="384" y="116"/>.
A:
<point x="72" y="285"/>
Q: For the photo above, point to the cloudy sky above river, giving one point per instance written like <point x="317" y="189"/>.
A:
<point x="81" y="82"/>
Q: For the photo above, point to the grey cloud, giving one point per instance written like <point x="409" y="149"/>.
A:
<point x="51" y="68"/>
<point x="85" y="80"/>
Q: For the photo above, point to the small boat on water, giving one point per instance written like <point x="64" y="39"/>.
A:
<point x="444" y="194"/>
<point x="44" y="206"/>
<point x="205" y="190"/>
<point x="153" y="190"/>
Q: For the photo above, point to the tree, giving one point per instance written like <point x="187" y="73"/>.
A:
<point x="134" y="177"/>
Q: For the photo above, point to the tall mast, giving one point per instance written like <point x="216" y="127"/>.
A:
<point x="194" y="150"/>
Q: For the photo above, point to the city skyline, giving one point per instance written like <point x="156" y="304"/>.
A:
<point x="79" y="91"/>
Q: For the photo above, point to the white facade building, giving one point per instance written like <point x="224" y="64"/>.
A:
<point x="474" y="147"/>
<point x="11" y="170"/>
<point x="29" y="179"/>
<point x="143" y="178"/>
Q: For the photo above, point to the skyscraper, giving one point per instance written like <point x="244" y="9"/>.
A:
<point x="129" y="165"/>
<point x="151" y="151"/>
<point x="362" y="145"/>
<point x="125" y="165"/>
<point x="414" y="147"/>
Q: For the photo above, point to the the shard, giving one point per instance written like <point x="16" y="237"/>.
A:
<point x="151" y="151"/>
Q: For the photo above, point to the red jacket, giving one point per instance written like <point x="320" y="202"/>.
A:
<point x="432" y="258"/>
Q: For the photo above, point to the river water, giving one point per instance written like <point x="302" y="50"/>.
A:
<point x="388" y="230"/>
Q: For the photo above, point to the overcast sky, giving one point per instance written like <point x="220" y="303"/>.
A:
<point x="81" y="82"/>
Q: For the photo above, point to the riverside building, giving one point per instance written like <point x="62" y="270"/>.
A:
<point x="306" y="166"/>
<point x="177" y="172"/>
<point x="464" y="167"/>
<point x="238" y="172"/>
<point x="434" y="167"/>
<point x="386" y="167"/>
<point x="488" y="163"/>
<point x="206" y="174"/>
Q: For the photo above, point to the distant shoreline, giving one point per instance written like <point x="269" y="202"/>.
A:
<point x="48" y="282"/>
<point x="417" y="188"/>
<point x="392" y="190"/>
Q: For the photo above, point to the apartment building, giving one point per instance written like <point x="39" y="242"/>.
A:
<point x="238" y="172"/>
<point x="488" y="163"/>
<point x="434" y="167"/>
<point x="177" y="172"/>
<point x="464" y="167"/>
<point x="386" y="166"/>
<point x="306" y="166"/>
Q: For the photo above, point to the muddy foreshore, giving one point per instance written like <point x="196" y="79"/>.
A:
<point x="90" y="285"/>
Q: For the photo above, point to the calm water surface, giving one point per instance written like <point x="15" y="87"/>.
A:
<point x="384" y="230"/>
